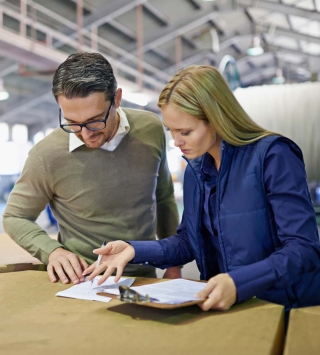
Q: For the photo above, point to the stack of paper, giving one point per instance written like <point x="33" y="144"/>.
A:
<point x="170" y="292"/>
<point x="84" y="290"/>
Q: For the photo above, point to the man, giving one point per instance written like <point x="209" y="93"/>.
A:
<point x="104" y="175"/>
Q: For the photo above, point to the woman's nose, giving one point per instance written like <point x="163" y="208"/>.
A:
<point x="178" y="142"/>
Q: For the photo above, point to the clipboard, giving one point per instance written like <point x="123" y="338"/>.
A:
<point x="128" y="295"/>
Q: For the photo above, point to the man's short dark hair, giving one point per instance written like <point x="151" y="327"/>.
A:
<point x="82" y="74"/>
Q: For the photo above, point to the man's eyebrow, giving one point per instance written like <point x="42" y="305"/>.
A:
<point x="89" y="119"/>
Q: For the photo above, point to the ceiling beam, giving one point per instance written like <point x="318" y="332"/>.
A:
<point x="296" y="35"/>
<point x="65" y="39"/>
<point x="278" y="7"/>
<point x="294" y="51"/>
<point x="164" y="20"/>
<point x="130" y="34"/>
<point x="106" y="14"/>
<point x="164" y="35"/>
<point x="196" y="4"/>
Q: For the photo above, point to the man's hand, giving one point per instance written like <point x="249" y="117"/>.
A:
<point x="66" y="265"/>
<point x="172" y="273"/>
<point x="116" y="255"/>
<point x="221" y="292"/>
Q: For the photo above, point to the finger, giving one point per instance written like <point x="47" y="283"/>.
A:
<point x="103" y="250"/>
<point x="77" y="269"/>
<point x="107" y="274"/>
<point x="89" y="269"/>
<point x="84" y="266"/>
<point x="83" y="263"/>
<point x="119" y="273"/>
<point x="51" y="274"/>
<point x="207" y="304"/>
<point x="97" y="271"/>
<point x="68" y="269"/>
<point x="60" y="272"/>
<point x="205" y="292"/>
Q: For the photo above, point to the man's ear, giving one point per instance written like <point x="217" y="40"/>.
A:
<point x="118" y="98"/>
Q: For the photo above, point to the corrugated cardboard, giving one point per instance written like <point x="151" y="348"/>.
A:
<point x="11" y="252"/>
<point x="14" y="258"/>
<point x="35" y="321"/>
<point x="303" y="332"/>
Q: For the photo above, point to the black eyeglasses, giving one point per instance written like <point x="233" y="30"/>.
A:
<point x="92" y="126"/>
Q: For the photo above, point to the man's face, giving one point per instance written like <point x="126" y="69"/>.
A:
<point x="91" y="108"/>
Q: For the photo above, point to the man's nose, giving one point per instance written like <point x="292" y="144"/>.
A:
<point x="86" y="133"/>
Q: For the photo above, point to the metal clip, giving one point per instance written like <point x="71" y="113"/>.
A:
<point x="132" y="296"/>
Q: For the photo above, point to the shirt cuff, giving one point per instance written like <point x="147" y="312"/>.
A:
<point x="147" y="253"/>
<point x="45" y="249"/>
<point x="252" y="279"/>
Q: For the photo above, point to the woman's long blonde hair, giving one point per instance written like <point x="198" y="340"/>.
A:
<point x="201" y="91"/>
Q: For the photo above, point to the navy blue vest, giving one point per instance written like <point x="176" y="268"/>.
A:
<point x="246" y="229"/>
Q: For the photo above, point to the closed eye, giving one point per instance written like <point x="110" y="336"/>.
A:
<point x="185" y="133"/>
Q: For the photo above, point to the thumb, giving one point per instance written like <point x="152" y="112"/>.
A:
<point x="205" y="292"/>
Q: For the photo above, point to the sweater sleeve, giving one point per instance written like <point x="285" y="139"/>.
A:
<point x="287" y="193"/>
<point x="167" y="212"/>
<point x="28" y="198"/>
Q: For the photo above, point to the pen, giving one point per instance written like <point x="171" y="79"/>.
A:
<point x="99" y="259"/>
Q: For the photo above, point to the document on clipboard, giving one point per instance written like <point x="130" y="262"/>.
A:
<point x="168" y="294"/>
<point x="86" y="291"/>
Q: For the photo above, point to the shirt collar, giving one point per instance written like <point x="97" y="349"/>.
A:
<point x="75" y="142"/>
<point x="208" y="166"/>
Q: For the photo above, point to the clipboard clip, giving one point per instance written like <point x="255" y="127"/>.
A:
<point x="129" y="295"/>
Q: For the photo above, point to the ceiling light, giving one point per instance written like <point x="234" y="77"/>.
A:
<point x="255" y="48"/>
<point x="4" y="95"/>
<point x="278" y="78"/>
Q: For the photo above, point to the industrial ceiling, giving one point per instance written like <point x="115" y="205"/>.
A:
<point x="147" y="41"/>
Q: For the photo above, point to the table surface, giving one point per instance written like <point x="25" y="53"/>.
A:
<point x="34" y="321"/>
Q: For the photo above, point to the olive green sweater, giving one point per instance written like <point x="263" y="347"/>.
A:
<point x="95" y="194"/>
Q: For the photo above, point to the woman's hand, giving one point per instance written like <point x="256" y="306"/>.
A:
<point x="116" y="255"/>
<point x="221" y="292"/>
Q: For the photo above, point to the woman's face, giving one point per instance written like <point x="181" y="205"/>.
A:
<point x="193" y="136"/>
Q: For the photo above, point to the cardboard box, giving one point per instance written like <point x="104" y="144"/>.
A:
<point x="35" y="321"/>
<point x="14" y="258"/>
<point x="303" y="332"/>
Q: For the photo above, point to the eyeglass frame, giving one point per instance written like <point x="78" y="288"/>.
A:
<point x="81" y="125"/>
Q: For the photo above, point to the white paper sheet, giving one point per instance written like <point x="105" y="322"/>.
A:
<point x="171" y="292"/>
<point x="84" y="290"/>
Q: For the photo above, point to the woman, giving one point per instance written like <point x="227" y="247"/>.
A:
<point x="248" y="220"/>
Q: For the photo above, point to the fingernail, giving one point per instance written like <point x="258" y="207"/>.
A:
<point x="82" y="279"/>
<point x="76" y="281"/>
<point x="53" y="280"/>
<point x="65" y="281"/>
<point x="84" y="273"/>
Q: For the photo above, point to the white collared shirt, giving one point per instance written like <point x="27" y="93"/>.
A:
<point x="123" y="129"/>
